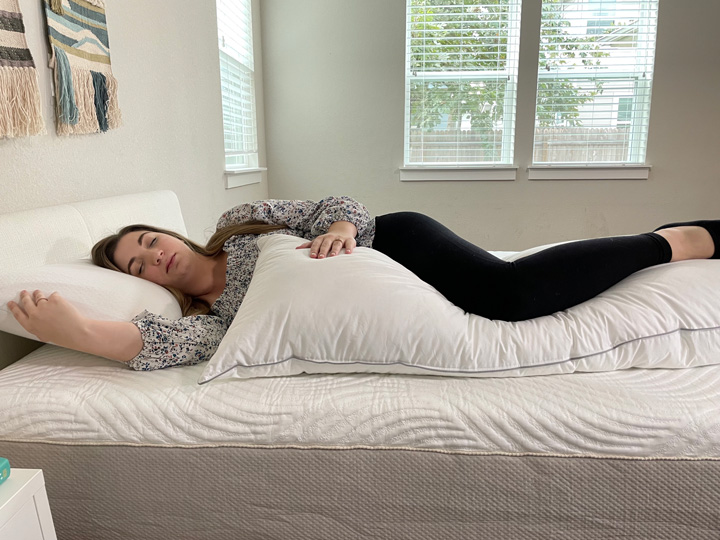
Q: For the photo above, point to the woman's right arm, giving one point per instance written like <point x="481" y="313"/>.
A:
<point x="148" y="342"/>
<point x="55" y="320"/>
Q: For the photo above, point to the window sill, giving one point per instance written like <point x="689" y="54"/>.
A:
<point x="243" y="177"/>
<point x="589" y="172"/>
<point x="501" y="173"/>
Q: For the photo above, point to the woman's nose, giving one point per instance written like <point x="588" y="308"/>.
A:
<point x="158" y="256"/>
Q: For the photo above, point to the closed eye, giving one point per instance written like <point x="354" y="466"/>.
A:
<point x="152" y="242"/>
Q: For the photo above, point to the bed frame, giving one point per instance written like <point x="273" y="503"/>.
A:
<point x="134" y="492"/>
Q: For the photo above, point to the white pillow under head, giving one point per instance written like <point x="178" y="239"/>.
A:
<point x="364" y="312"/>
<point x="97" y="292"/>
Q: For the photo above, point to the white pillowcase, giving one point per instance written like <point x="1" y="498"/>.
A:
<point x="366" y="313"/>
<point x="97" y="292"/>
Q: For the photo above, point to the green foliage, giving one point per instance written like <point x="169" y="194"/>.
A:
<point x="558" y="101"/>
<point x="442" y="43"/>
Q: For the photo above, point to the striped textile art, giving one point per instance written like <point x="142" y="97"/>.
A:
<point x="20" y="109"/>
<point x="85" y="89"/>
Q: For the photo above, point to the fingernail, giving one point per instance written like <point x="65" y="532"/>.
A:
<point x="321" y="256"/>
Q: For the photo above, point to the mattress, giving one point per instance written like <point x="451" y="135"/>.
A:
<point x="59" y="396"/>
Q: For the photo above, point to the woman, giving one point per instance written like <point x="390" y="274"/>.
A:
<point x="210" y="283"/>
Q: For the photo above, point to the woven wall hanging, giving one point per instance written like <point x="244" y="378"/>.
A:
<point x="20" y="109"/>
<point x="85" y="89"/>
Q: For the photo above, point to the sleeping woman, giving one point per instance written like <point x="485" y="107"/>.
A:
<point x="210" y="282"/>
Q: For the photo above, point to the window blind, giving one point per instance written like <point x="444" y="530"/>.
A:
<point x="461" y="81"/>
<point x="237" y="82"/>
<point x="594" y="81"/>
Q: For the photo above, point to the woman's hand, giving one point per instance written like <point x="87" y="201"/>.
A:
<point x="52" y="319"/>
<point x="340" y="236"/>
<point x="55" y="320"/>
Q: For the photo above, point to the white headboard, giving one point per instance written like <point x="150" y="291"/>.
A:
<point x="67" y="232"/>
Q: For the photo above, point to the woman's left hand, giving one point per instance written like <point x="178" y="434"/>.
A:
<point x="329" y="245"/>
<point x="340" y="236"/>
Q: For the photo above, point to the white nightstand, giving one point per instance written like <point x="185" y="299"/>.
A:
<point x="24" y="508"/>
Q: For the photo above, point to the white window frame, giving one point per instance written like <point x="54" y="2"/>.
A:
<point x="490" y="170"/>
<point x="237" y="79"/>
<point x="641" y="74"/>
<point x="555" y="171"/>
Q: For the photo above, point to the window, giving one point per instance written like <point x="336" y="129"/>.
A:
<point x="461" y="80"/>
<point x="237" y="83"/>
<point x="624" y="111"/>
<point x="598" y="11"/>
<point x="594" y="81"/>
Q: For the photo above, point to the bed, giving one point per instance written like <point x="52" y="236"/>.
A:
<point x="633" y="453"/>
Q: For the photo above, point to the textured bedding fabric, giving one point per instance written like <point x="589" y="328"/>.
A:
<point x="131" y="493"/>
<point x="55" y="395"/>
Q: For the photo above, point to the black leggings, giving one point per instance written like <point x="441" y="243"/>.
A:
<point x="540" y="284"/>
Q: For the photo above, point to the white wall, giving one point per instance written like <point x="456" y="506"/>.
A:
<point x="334" y="102"/>
<point x="166" y="61"/>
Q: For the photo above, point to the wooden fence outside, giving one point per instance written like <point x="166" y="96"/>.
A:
<point x="574" y="144"/>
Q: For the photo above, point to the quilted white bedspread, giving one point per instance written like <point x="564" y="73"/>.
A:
<point x="56" y="395"/>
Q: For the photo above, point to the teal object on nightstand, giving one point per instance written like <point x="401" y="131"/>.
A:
<point x="4" y="469"/>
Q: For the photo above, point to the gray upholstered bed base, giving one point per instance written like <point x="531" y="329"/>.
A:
<point x="264" y="493"/>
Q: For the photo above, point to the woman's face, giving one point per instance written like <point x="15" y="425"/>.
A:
<point x="157" y="257"/>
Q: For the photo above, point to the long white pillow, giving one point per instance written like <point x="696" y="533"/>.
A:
<point x="97" y="292"/>
<point x="366" y="313"/>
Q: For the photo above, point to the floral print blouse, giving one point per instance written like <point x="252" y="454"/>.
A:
<point x="190" y="340"/>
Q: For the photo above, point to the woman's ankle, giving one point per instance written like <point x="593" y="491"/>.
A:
<point x="688" y="242"/>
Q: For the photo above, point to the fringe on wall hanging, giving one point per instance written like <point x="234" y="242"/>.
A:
<point x="20" y="109"/>
<point x="85" y="89"/>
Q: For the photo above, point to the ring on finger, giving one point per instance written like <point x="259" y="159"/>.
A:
<point x="41" y="299"/>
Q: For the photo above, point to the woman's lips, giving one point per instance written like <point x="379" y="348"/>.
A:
<point x="169" y="264"/>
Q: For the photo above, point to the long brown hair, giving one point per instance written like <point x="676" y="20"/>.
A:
<point x="104" y="251"/>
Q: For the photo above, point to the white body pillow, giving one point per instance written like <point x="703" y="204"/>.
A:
<point x="97" y="292"/>
<point x="366" y="313"/>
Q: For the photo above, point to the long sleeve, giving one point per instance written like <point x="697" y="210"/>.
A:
<point x="168" y="342"/>
<point x="308" y="218"/>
